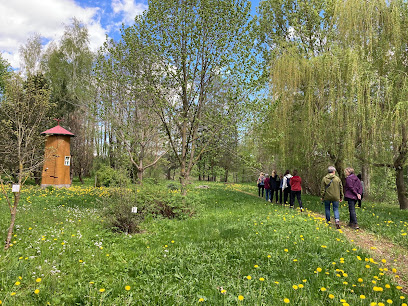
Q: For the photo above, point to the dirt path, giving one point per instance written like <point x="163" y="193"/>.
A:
<point x="378" y="247"/>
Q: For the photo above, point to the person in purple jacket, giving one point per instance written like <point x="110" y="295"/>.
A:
<point x="352" y="193"/>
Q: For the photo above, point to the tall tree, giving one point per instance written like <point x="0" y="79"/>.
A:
<point x="192" y="42"/>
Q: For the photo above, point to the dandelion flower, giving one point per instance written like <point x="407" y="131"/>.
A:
<point x="389" y="301"/>
<point x="360" y="280"/>
<point x="102" y="290"/>
<point x="201" y="300"/>
<point x="256" y="266"/>
<point x="286" y="300"/>
<point x="377" y="289"/>
<point x="38" y="280"/>
<point x="13" y="294"/>
<point x="295" y="287"/>
<point x="286" y="250"/>
<point x="127" y="288"/>
<point x="37" y="291"/>
<point x="249" y="277"/>
<point x="261" y="279"/>
<point x="323" y="289"/>
<point x="331" y="296"/>
<point x="17" y="283"/>
<point x="319" y="269"/>
<point x="223" y="291"/>
<point x="387" y="286"/>
<point x="362" y="297"/>
<point x="240" y="297"/>
<point x="300" y="286"/>
<point x="383" y="261"/>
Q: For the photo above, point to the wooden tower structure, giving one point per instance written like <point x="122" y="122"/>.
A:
<point x="57" y="164"/>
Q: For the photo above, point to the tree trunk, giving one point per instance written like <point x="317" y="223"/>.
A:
<point x="12" y="220"/>
<point x="366" y="177"/>
<point x="402" y="198"/>
<point x="81" y="179"/>
<point x="226" y="175"/>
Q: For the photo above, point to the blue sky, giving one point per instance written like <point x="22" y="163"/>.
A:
<point x="20" y="19"/>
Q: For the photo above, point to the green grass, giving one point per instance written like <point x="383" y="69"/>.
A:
<point x="61" y="238"/>
<point x="384" y="219"/>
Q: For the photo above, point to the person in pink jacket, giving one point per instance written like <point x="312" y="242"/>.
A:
<point x="296" y="190"/>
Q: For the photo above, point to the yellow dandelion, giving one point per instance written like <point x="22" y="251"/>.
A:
<point x="13" y="294"/>
<point x="37" y="291"/>
<point x="399" y="287"/>
<point x="383" y="261"/>
<point x="304" y="280"/>
<point x="102" y="290"/>
<point x="240" y="297"/>
<point x="362" y="297"/>
<point x="389" y="301"/>
<point x="331" y="296"/>
<point x="300" y="286"/>
<point x="256" y="266"/>
<point x="249" y="277"/>
<point x="127" y="288"/>
<point x="286" y="300"/>
<point x="394" y="270"/>
<point x="323" y="289"/>
<point x="295" y="287"/>
<point x="387" y="286"/>
<point x="223" y="291"/>
<point x="377" y="289"/>
<point x="286" y="250"/>
<point x="17" y="283"/>
<point x="201" y="300"/>
<point x="360" y="280"/>
<point x="38" y="280"/>
<point x="368" y="266"/>
<point x="261" y="279"/>
<point x="319" y="269"/>
<point x="269" y="256"/>
<point x="402" y="297"/>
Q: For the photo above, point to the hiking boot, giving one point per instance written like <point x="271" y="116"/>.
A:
<point x="337" y="224"/>
<point x="356" y="226"/>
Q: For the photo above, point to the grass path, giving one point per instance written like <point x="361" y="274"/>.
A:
<point x="377" y="246"/>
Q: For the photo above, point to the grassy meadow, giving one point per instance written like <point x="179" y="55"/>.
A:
<point x="234" y="249"/>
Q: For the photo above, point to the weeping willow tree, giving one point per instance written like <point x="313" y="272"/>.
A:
<point x="344" y="102"/>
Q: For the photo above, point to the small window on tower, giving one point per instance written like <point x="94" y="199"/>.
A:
<point x="67" y="160"/>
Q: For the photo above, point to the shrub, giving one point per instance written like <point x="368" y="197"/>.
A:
<point x="152" y="200"/>
<point x="109" y="177"/>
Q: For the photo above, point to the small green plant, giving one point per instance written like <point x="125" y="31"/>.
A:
<point x="109" y="177"/>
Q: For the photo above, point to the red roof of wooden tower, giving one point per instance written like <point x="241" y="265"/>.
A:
<point x="58" y="130"/>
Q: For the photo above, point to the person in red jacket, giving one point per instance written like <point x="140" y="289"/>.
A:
<point x="296" y="190"/>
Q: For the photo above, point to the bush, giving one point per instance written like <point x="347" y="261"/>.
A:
<point x="109" y="177"/>
<point x="152" y="200"/>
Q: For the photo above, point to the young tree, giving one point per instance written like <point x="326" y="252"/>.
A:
<point x="23" y="110"/>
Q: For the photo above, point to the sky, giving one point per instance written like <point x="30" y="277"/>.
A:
<point x="21" y="19"/>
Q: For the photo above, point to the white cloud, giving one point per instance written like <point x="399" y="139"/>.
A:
<point x="20" y="19"/>
<point x="129" y="9"/>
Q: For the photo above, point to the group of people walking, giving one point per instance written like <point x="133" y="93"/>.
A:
<point x="288" y="185"/>
<point x="331" y="191"/>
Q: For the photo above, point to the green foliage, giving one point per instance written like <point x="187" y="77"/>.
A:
<point x="109" y="177"/>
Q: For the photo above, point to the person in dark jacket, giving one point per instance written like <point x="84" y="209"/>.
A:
<point x="280" y="183"/>
<point x="274" y="182"/>
<point x="286" y="187"/>
<point x="331" y="192"/>
<point x="352" y="193"/>
<point x="267" y="188"/>
<point x="362" y="193"/>
<point x="296" y="190"/>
